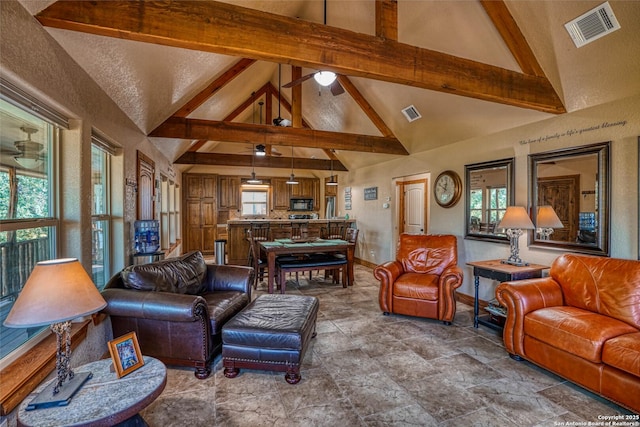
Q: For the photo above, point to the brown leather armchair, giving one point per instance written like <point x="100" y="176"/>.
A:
<point x="177" y="307"/>
<point x="422" y="280"/>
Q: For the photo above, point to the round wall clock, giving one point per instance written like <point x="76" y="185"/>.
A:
<point x="447" y="189"/>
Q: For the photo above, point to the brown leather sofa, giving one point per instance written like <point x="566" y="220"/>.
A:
<point x="422" y="280"/>
<point x="177" y="307"/>
<point x="582" y="323"/>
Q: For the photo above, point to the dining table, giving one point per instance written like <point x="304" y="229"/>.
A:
<point x="273" y="249"/>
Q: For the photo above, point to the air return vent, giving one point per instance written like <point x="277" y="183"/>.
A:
<point x="411" y="113"/>
<point x="592" y="25"/>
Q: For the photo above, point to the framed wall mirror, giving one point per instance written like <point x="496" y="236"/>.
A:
<point x="489" y="190"/>
<point x="575" y="183"/>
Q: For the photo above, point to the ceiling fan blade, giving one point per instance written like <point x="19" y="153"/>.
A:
<point x="298" y="81"/>
<point x="336" y="88"/>
<point x="10" y="152"/>
<point x="274" y="152"/>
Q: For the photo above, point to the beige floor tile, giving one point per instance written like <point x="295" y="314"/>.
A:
<point x="366" y="369"/>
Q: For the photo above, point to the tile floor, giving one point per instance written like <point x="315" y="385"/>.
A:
<point x="366" y="369"/>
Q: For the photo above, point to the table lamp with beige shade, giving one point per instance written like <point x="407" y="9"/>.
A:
<point x="514" y="221"/>
<point x="546" y="221"/>
<point x="56" y="292"/>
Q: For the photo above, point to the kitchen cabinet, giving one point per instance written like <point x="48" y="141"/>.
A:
<point x="330" y="190"/>
<point x="280" y="194"/>
<point x="228" y="193"/>
<point x="304" y="189"/>
<point x="315" y="193"/>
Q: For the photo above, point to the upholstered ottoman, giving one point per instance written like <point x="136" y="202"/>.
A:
<point x="272" y="333"/>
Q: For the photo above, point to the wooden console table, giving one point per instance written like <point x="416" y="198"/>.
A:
<point x="496" y="270"/>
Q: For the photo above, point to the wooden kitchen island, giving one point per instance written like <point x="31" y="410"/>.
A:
<point x="238" y="246"/>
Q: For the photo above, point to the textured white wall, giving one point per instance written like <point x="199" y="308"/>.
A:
<point x="33" y="61"/>
<point x="377" y="224"/>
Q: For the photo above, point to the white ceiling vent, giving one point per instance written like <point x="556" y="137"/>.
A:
<point x="411" y="113"/>
<point x="592" y="25"/>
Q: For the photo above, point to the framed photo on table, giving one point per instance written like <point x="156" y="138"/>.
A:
<point x="125" y="353"/>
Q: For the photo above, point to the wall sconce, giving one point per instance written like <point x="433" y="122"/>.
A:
<point x="547" y="220"/>
<point x="514" y="221"/>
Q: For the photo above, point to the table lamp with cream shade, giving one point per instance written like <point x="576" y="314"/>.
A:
<point x="547" y="220"/>
<point x="514" y="221"/>
<point x="56" y="292"/>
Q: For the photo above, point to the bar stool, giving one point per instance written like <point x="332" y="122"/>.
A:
<point x="259" y="232"/>
<point x="299" y="230"/>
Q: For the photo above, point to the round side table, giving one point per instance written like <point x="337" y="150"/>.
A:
<point x="104" y="400"/>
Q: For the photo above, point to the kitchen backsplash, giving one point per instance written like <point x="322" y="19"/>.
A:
<point x="283" y="214"/>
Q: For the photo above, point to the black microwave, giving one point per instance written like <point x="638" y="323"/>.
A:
<point x="297" y="204"/>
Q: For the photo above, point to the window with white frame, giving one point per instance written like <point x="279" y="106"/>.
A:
<point x="254" y="200"/>
<point x="497" y="197"/>
<point x="164" y="212"/>
<point x="169" y="213"/>
<point x="28" y="195"/>
<point x="488" y="205"/>
<point x="172" y="213"/>
<point x="101" y="220"/>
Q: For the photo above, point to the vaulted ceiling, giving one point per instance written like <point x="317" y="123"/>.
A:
<point x="192" y="75"/>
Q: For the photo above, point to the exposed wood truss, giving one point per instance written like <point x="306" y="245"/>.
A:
<point x="233" y="30"/>
<point x="511" y="34"/>
<point x="195" y="157"/>
<point x="217" y="159"/>
<point x="211" y="130"/>
<point x="214" y="87"/>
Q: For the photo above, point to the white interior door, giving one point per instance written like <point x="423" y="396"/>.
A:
<point x="414" y="210"/>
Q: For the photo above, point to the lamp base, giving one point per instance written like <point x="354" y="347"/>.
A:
<point x="46" y="398"/>
<point x="516" y="263"/>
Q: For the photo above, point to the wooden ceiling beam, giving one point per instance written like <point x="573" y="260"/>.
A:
<point x="512" y="36"/>
<point x="214" y="87"/>
<point x="213" y="159"/>
<point x="387" y="19"/>
<point x="264" y="90"/>
<point x="181" y="128"/>
<point x="348" y="85"/>
<point x="233" y="30"/>
<point x="296" y="98"/>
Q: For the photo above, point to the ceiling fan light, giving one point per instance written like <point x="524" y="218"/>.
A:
<point x="260" y="151"/>
<point x="325" y="78"/>
<point x="28" y="162"/>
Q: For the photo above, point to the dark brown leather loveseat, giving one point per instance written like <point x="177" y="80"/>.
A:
<point x="177" y="307"/>
<point x="582" y="322"/>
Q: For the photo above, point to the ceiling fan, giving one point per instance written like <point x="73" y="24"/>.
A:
<point x="261" y="150"/>
<point x="28" y="153"/>
<point x="323" y="78"/>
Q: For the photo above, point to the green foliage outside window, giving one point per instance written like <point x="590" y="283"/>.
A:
<point x="32" y="202"/>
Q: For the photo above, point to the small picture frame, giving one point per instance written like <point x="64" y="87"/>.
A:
<point x="371" y="193"/>
<point x="125" y="353"/>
